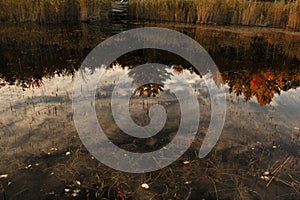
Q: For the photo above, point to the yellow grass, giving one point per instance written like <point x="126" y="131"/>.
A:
<point x="230" y="12"/>
<point x="284" y="14"/>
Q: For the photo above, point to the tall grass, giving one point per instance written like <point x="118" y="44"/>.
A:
<point x="53" y="10"/>
<point x="294" y="17"/>
<point x="284" y="14"/>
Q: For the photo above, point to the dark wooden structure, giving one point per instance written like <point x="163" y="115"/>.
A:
<point x="119" y="10"/>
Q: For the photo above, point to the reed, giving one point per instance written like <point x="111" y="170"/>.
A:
<point x="284" y="14"/>
<point x="53" y="11"/>
<point x="294" y="17"/>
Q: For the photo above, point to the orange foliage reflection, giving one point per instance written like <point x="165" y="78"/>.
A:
<point x="263" y="84"/>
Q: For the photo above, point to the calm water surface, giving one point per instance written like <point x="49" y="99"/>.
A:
<point x="256" y="157"/>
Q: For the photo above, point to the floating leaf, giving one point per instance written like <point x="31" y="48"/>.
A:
<point x="145" y="186"/>
<point x="3" y="176"/>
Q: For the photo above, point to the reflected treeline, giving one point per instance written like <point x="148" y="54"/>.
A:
<point x="30" y="52"/>
<point x="263" y="84"/>
<point x="259" y="79"/>
<point x="253" y="64"/>
<point x="155" y="76"/>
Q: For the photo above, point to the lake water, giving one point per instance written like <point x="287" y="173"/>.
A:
<point x="256" y="156"/>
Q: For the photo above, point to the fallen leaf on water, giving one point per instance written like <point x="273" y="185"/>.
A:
<point x="3" y="176"/>
<point x="266" y="173"/>
<point x="78" y="183"/>
<point x="266" y="178"/>
<point x="187" y="182"/>
<point x="186" y="162"/>
<point x="28" y="166"/>
<point x="75" y="192"/>
<point x="145" y="186"/>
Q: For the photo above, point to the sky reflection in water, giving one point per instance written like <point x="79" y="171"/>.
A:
<point x="261" y="130"/>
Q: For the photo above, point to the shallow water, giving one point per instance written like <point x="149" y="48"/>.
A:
<point x="256" y="156"/>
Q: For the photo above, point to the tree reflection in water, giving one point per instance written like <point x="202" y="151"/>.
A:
<point x="156" y="80"/>
<point x="263" y="84"/>
<point x="243" y="78"/>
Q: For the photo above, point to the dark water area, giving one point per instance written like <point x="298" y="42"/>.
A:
<point x="256" y="157"/>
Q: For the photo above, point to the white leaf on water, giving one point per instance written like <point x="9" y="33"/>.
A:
<point x="75" y="192"/>
<point x="3" y="176"/>
<point x="266" y="178"/>
<point x="266" y="173"/>
<point x="145" y="186"/>
<point x="187" y="182"/>
<point x="186" y="162"/>
<point x="28" y="166"/>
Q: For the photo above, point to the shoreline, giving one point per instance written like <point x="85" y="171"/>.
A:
<point x="241" y="29"/>
<point x="283" y="14"/>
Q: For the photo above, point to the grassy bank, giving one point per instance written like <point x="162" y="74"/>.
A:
<point x="53" y="11"/>
<point x="282" y="13"/>
<point x="230" y="12"/>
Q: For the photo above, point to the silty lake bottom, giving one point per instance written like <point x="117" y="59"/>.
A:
<point x="256" y="157"/>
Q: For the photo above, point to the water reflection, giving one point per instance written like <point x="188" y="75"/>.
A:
<point x="257" y="156"/>
<point x="260" y="67"/>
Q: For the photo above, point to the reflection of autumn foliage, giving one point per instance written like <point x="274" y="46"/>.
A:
<point x="35" y="83"/>
<point x="155" y="76"/>
<point x="151" y="89"/>
<point x="263" y="85"/>
<point x="177" y="69"/>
